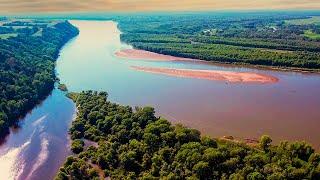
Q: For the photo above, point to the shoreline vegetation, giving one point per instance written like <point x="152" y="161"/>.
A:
<point x="140" y="54"/>
<point x="190" y="57"/>
<point x="63" y="87"/>
<point x="135" y="144"/>
<point x="27" y="65"/>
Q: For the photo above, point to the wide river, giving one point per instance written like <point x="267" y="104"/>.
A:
<point x="286" y="110"/>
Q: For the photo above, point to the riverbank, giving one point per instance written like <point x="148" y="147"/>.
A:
<point x="140" y="54"/>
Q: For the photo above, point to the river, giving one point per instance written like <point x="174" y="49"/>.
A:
<point x="286" y="110"/>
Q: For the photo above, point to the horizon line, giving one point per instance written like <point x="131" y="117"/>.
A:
<point x="158" y="11"/>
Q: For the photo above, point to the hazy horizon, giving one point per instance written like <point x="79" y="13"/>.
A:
<point x="120" y="6"/>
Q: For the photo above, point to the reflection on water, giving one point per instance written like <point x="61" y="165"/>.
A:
<point x="37" y="149"/>
<point x="288" y="109"/>
<point x="10" y="164"/>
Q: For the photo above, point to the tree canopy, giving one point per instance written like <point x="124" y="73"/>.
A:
<point x="135" y="144"/>
<point x="27" y="73"/>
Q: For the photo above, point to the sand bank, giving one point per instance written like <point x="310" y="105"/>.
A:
<point x="147" y="55"/>
<point x="227" y="76"/>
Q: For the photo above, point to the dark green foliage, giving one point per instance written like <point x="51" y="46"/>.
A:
<point x="77" y="169"/>
<point x="265" y="142"/>
<point x="263" y="39"/>
<point x="27" y="66"/>
<point x="138" y="145"/>
<point x="63" y="87"/>
<point x="202" y="170"/>
<point x="77" y="146"/>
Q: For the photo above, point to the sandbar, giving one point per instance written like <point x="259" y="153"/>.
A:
<point x="214" y="75"/>
<point x="147" y="55"/>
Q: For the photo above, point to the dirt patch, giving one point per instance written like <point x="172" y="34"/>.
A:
<point x="227" y="76"/>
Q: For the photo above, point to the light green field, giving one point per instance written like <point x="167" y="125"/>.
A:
<point x="311" y="34"/>
<point x="312" y="20"/>
<point x="6" y="36"/>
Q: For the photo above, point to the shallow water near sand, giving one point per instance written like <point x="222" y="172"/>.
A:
<point x="288" y="109"/>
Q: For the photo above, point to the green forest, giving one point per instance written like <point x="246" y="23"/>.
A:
<point x="263" y="39"/>
<point x="135" y="144"/>
<point x="28" y="50"/>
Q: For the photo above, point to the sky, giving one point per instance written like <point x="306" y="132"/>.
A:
<point x="41" y="6"/>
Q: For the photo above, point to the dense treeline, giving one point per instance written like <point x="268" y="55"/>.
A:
<point x="193" y="23"/>
<point x="290" y="45"/>
<point x="227" y="53"/>
<point x="135" y="144"/>
<point x="27" y="67"/>
<point x="237" y="38"/>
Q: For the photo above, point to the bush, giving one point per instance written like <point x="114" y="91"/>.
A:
<point x="77" y="146"/>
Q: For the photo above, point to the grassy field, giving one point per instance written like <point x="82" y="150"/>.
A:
<point x="312" y="20"/>
<point x="311" y="35"/>
<point x="6" y="36"/>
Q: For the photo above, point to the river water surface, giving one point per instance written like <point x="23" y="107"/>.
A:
<point x="286" y="110"/>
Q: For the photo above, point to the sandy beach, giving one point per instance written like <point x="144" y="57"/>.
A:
<point x="227" y="76"/>
<point x="147" y="55"/>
